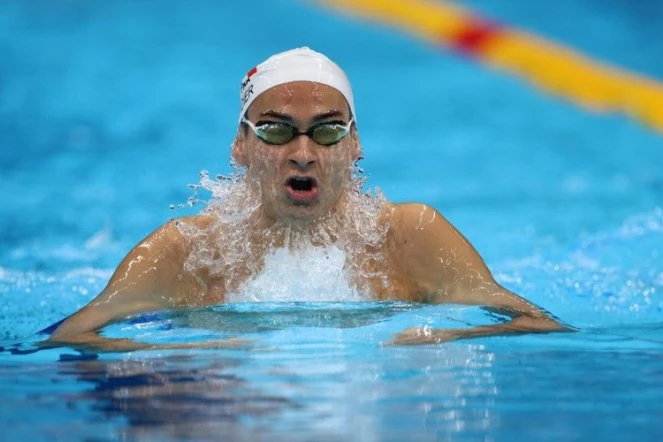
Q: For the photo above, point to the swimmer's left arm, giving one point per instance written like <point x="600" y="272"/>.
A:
<point x="525" y="318"/>
<point x="448" y="270"/>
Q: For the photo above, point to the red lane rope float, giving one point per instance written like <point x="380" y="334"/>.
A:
<point x="474" y="36"/>
<point x="550" y="66"/>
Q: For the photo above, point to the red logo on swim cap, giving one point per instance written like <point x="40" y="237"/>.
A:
<point x="245" y="83"/>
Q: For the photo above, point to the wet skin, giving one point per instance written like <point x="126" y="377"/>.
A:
<point x="269" y="167"/>
<point x="424" y="258"/>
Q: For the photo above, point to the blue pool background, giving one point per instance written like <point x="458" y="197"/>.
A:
<point x="108" y="110"/>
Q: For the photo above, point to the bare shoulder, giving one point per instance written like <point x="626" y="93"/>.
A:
<point x="428" y="230"/>
<point x="179" y="229"/>
<point x="170" y="239"/>
<point x="419" y="231"/>
<point x="433" y="252"/>
<point x="409" y="213"/>
<point x="204" y="221"/>
<point x="419" y="222"/>
<point x="150" y="277"/>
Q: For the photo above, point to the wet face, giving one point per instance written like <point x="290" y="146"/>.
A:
<point x="300" y="180"/>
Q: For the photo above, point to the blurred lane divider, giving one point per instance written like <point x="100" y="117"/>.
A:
<point x="550" y="66"/>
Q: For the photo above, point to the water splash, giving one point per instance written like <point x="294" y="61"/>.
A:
<point x="612" y="275"/>
<point x="307" y="274"/>
<point x="283" y="262"/>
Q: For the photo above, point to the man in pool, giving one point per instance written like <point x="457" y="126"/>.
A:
<point x="297" y="143"/>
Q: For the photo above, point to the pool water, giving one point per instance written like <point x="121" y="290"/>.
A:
<point x="110" y="110"/>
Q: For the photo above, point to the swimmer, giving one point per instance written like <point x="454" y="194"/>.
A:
<point x="297" y="144"/>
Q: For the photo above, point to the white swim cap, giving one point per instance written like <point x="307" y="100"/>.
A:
<point x="300" y="64"/>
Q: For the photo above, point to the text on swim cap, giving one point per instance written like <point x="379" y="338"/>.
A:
<point x="247" y="87"/>
<point x="246" y="94"/>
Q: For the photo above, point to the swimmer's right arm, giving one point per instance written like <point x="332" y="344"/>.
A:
<point x="151" y="277"/>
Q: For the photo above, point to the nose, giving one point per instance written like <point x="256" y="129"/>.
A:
<point x="302" y="154"/>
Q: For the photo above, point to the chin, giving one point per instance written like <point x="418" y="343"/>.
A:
<point x="301" y="213"/>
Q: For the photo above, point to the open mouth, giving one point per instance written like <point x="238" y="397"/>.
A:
<point x="301" y="188"/>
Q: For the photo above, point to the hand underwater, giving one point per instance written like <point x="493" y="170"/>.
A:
<point x="94" y="342"/>
<point x="425" y="335"/>
<point x="517" y="326"/>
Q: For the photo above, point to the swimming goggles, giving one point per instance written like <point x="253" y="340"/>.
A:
<point x="276" y="133"/>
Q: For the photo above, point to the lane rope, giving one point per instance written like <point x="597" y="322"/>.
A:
<point x="556" y="69"/>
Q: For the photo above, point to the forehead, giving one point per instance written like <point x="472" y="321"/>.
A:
<point x="300" y="99"/>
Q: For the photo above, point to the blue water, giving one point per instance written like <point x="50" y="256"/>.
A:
<point x="108" y="110"/>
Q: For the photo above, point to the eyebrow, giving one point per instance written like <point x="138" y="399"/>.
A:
<point x="326" y="116"/>
<point x="275" y="114"/>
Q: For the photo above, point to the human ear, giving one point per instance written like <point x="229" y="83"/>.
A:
<point x="239" y="150"/>
<point x="356" y="147"/>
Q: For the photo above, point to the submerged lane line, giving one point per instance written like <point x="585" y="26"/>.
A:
<point x="552" y="67"/>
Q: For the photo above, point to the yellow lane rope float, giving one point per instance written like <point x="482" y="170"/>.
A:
<point x="550" y="66"/>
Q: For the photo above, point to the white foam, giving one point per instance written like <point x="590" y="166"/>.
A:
<point x="313" y="274"/>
